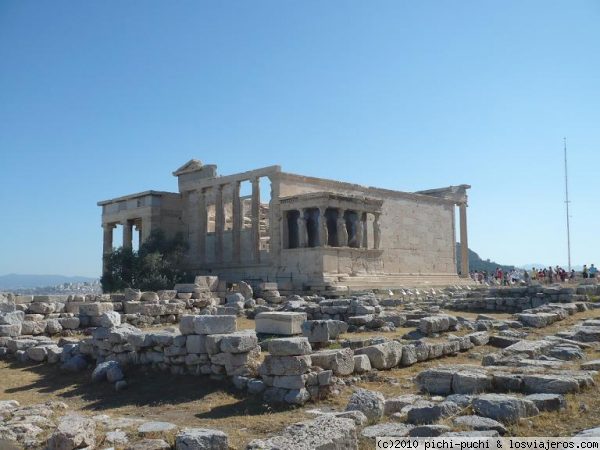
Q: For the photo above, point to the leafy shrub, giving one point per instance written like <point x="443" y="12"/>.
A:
<point x="158" y="264"/>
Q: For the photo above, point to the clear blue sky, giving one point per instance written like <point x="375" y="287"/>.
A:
<point x="105" y="98"/>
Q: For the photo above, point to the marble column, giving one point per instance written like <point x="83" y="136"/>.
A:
<point x="255" y="216"/>
<point x="323" y="232"/>
<point x="464" y="245"/>
<point x="107" y="244"/>
<point x="138" y="228"/>
<point x="376" y="232"/>
<point x="202" y="226"/>
<point x="342" y="231"/>
<point x="127" y="234"/>
<point x="236" y="232"/>
<point x="219" y="223"/>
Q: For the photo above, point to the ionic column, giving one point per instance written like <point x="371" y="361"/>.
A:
<point x="138" y="228"/>
<point x="255" y="215"/>
<point x="376" y="232"/>
<point x="236" y="235"/>
<point x="323" y="232"/>
<point x="219" y="223"/>
<point x="202" y="226"/>
<point x="127" y="234"/>
<point x="464" y="245"/>
<point x="107" y="244"/>
<point x="342" y="231"/>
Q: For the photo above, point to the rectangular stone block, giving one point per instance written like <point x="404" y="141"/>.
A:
<point x="290" y="381"/>
<point x="285" y="365"/>
<point x="196" y="343"/>
<point x="323" y="330"/>
<point x="227" y="311"/>
<point x="132" y="307"/>
<point x="238" y="342"/>
<point x="22" y="299"/>
<point x="186" y="324"/>
<point x="214" y="324"/>
<point x="13" y="330"/>
<point x="73" y="307"/>
<point x="289" y="346"/>
<point x="209" y="282"/>
<point x="50" y="298"/>
<point x="152" y="309"/>
<point x="340" y="361"/>
<point x="282" y="323"/>
<point x="95" y="309"/>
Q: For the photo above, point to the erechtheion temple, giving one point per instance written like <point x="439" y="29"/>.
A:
<point x="311" y="234"/>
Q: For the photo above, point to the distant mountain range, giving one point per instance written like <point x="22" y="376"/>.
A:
<point x="478" y="264"/>
<point x="22" y="281"/>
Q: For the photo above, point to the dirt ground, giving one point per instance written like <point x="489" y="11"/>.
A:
<point x="202" y="402"/>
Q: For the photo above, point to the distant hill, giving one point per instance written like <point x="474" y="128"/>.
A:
<point x="478" y="264"/>
<point x="22" y="281"/>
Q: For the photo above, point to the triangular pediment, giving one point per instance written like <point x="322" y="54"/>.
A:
<point x="191" y="166"/>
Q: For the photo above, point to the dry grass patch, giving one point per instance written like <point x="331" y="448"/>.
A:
<point x="184" y="400"/>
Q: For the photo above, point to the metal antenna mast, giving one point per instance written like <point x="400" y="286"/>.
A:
<point x="567" y="205"/>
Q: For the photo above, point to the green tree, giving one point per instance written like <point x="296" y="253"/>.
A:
<point x="158" y="264"/>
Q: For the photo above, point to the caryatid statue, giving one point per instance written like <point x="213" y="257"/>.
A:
<point x="359" y="231"/>
<point x="302" y="236"/>
<point x="342" y="232"/>
<point x="323" y="231"/>
<point x="376" y="232"/>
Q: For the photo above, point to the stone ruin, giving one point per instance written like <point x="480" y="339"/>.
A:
<point x="308" y="235"/>
<point x="306" y="348"/>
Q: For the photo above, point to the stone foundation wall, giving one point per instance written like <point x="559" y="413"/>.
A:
<point x="517" y="299"/>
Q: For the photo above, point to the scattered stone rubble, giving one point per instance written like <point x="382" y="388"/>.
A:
<point x="53" y="427"/>
<point x="297" y="354"/>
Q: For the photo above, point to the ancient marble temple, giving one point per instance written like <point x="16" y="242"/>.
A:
<point x="302" y="232"/>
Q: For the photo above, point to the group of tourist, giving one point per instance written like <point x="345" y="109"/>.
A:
<point x="547" y="275"/>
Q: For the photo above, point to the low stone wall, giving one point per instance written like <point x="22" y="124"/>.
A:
<point x="201" y="345"/>
<point x="60" y="315"/>
<point x="516" y="299"/>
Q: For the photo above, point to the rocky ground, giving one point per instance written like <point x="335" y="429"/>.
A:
<point x="435" y="372"/>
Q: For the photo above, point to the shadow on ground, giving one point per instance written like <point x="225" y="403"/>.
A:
<point x="146" y="388"/>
